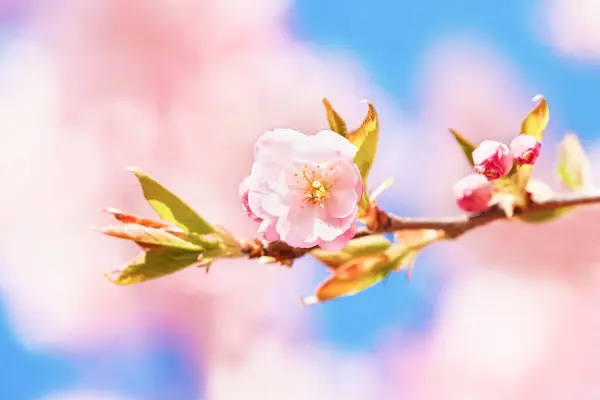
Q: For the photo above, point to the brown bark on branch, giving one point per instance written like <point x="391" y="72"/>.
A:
<point x="382" y="222"/>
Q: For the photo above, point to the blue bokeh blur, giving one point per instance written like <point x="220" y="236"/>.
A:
<point x="391" y="50"/>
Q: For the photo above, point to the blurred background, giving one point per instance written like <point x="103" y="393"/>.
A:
<point x="182" y="89"/>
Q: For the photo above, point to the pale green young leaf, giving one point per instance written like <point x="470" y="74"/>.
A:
<point x="534" y="124"/>
<point x="465" y="144"/>
<point x="366" y="138"/>
<point x="335" y="287"/>
<point x="539" y="191"/>
<point x="574" y="168"/>
<point x="232" y="245"/>
<point x="336" y="123"/>
<point x="406" y="261"/>
<point x="351" y="278"/>
<point x="367" y="245"/>
<point x="359" y="273"/>
<point x="544" y="216"/>
<point x="358" y="247"/>
<point x="418" y="238"/>
<point x="147" y="236"/>
<point x="169" y="207"/>
<point x="332" y="259"/>
<point x="208" y="241"/>
<point x="402" y="256"/>
<point x="536" y="121"/>
<point x="153" y="264"/>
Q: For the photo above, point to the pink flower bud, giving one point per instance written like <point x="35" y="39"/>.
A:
<point x="492" y="159"/>
<point x="525" y="149"/>
<point x="473" y="193"/>
<point x="243" y="192"/>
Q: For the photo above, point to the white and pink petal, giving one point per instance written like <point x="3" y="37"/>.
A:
<point x="268" y="231"/>
<point x="340" y="242"/>
<point x="342" y="202"/>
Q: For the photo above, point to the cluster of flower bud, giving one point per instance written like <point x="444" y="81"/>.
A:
<point x="493" y="160"/>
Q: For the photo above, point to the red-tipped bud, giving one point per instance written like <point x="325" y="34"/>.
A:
<point x="473" y="193"/>
<point x="525" y="149"/>
<point x="492" y="159"/>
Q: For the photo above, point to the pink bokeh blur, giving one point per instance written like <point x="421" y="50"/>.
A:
<point x="183" y="93"/>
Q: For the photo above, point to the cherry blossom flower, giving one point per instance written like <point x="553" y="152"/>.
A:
<point x="305" y="188"/>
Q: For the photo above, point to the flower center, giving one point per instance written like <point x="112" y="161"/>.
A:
<point x="317" y="189"/>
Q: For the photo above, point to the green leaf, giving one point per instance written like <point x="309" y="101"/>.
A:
<point x="231" y="246"/>
<point x="574" y="168"/>
<point x="366" y="138"/>
<point x="366" y="245"/>
<point x="208" y="241"/>
<point x="351" y="278"/>
<point x="330" y="258"/>
<point x="536" y="121"/>
<point x="410" y="244"/>
<point x="336" y="123"/>
<point x="418" y="237"/>
<point x="402" y="257"/>
<point x="466" y="145"/>
<point x="215" y="246"/>
<point x="360" y="273"/>
<point x="368" y="130"/>
<point x="153" y="264"/>
<point x="169" y="207"/>
<point x="144" y="235"/>
<point x="539" y="191"/>
<point x="544" y="216"/>
<point x="335" y="287"/>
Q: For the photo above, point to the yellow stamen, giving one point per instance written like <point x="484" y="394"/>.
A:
<point x="317" y="190"/>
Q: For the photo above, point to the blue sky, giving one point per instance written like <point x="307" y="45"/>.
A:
<point x="389" y="39"/>
<point x="392" y="48"/>
<point x="161" y="371"/>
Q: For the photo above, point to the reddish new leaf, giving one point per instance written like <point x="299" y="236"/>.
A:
<point x="146" y="236"/>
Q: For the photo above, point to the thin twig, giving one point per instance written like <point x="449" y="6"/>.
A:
<point x="452" y="226"/>
<point x="455" y="226"/>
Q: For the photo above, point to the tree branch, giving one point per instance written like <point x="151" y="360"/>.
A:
<point x="382" y="222"/>
<point x="456" y="226"/>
